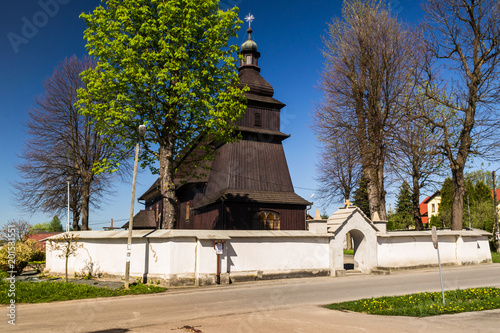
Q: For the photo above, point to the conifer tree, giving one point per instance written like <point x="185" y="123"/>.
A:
<point x="403" y="217"/>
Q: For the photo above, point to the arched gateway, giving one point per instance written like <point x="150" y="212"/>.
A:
<point x="364" y="233"/>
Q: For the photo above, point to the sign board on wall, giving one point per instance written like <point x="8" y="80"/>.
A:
<point x="219" y="248"/>
<point x="434" y="237"/>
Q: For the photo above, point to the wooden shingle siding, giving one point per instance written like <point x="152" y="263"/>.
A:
<point x="292" y="217"/>
<point x="250" y="165"/>
<point x="246" y="177"/>
<point x="270" y="118"/>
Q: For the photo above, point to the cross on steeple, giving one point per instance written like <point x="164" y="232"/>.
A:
<point x="249" y="18"/>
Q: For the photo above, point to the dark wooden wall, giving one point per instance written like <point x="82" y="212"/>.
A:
<point x="270" y="118"/>
<point x="239" y="215"/>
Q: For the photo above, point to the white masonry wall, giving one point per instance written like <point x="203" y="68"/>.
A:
<point x="189" y="257"/>
<point x="190" y="254"/>
<point x="414" y="248"/>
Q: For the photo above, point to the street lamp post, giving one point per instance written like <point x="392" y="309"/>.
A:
<point x="496" y="231"/>
<point x="142" y="131"/>
<point x="68" y="180"/>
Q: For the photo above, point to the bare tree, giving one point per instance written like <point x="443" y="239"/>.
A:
<point x="67" y="244"/>
<point x="62" y="143"/>
<point x="369" y="58"/>
<point x="339" y="167"/>
<point x="417" y="156"/>
<point x="16" y="230"/>
<point x="463" y="35"/>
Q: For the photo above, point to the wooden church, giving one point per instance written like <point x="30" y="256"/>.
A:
<point x="247" y="186"/>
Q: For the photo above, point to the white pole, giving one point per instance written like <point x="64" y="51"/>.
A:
<point x="441" y="276"/>
<point x="435" y="242"/>
<point x="67" y="223"/>
<point x="142" y="131"/>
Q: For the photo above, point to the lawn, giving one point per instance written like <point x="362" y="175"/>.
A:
<point x="42" y="292"/>
<point x="426" y="304"/>
<point x="495" y="257"/>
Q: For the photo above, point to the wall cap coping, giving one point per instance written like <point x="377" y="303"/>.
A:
<point x="428" y="233"/>
<point x="198" y="234"/>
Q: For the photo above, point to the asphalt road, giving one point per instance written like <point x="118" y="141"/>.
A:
<point x="265" y="306"/>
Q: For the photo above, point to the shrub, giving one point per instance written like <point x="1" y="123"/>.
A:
<point x="25" y="251"/>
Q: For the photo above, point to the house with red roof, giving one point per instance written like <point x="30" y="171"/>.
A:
<point x="41" y="237"/>
<point x="430" y="207"/>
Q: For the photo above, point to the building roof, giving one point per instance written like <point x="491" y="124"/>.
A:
<point x="235" y="195"/>
<point x="145" y="219"/>
<point x="42" y="235"/>
<point x="437" y="193"/>
<point x="249" y="45"/>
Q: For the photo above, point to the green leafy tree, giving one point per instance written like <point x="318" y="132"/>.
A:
<point x="168" y="65"/>
<point x="478" y="201"/>
<point x="403" y="217"/>
<point x="54" y="225"/>
<point x="480" y="175"/>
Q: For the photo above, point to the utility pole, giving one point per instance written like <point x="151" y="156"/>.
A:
<point x="142" y="131"/>
<point x="495" y="229"/>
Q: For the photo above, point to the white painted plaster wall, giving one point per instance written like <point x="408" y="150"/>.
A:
<point x="400" y="249"/>
<point x="191" y="254"/>
<point x="269" y="254"/>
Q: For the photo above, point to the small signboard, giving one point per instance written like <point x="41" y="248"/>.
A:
<point x="434" y="237"/>
<point x="219" y="248"/>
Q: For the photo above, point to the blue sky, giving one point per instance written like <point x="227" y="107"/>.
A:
<point x="288" y="35"/>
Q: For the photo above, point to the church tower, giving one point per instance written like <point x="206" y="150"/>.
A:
<point x="249" y="181"/>
<point x="247" y="186"/>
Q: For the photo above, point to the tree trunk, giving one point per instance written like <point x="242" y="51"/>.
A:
<point x="381" y="191"/>
<point x="76" y="219"/>
<point x="85" y="204"/>
<point x="457" y="200"/>
<point x="167" y="187"/>
<point x="66" y="270"/>
<point x="373" y="194"/>
<point x="416" y="204"/>
<point x="376" y="193"/>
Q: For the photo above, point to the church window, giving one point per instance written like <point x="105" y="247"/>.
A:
<point x="258" y="119"/>
<point x="266" y="220"/>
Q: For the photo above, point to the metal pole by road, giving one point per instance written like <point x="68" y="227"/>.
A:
<point x="496" y="232"/>
<point x="436" y="246"/>
<point x="142" y="131"/>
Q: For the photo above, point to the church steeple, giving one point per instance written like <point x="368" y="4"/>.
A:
<point x="249" y="48"/>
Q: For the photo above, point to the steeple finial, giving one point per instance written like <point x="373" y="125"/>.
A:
<point x="249" y="18"/>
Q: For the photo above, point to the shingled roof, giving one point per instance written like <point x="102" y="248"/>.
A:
<point x="145" y="219"/>
<point x="235" y="195"/>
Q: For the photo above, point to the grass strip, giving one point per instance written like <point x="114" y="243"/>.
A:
<point x="495" y="257"/>
<point x="426" y="304"/>
<point x="42" y="292"/>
